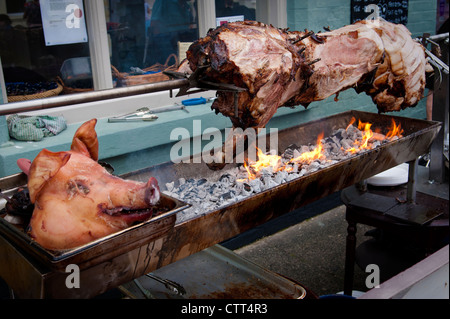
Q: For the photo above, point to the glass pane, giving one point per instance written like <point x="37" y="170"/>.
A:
<point x="31" y="68"/>
<point x="144" y="37"/>
<point x="229" y="10"/>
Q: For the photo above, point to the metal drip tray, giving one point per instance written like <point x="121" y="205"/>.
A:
<point x="216" y="273"/>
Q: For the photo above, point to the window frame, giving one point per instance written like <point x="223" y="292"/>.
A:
<point x="270" y="11"/>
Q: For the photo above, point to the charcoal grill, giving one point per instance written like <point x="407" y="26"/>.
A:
<point x="30" y="275"/>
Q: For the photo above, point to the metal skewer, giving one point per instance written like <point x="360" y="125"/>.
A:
<point x="310" y="33"/>
<point x="314" y="61"/>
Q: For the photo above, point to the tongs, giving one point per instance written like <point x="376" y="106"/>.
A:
<point x="174" y="287"/>
<point x="436" y="62"/>
<point x="141" y="114"/>
<point x="145" y="114"/>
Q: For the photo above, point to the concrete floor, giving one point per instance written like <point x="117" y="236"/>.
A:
<point x="311" y="252"/>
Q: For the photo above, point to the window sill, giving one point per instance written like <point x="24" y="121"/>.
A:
<point x="137" y="145"/>
<point x="130" y="146"/>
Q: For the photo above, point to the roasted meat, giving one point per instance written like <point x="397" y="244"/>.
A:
<point x="278" y="67"/>
<point x="254" y="56"/>
<point x="282" y="68"/>
<point x="76" y="200"/>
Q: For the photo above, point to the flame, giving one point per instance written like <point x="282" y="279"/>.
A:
<point x="395" y="130"/>
<point x="275" y="162"/>
<point x="264" y="160"/>
<point x="367" y="135"/>
<point x="352" y="120"/>
<point x="316" y="153"/>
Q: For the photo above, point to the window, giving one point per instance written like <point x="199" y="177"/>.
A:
<point x="229" y="11"/>
<point x="145" y="35"/>
<point x="130" y="41"/>
<point x="30" y="67"/>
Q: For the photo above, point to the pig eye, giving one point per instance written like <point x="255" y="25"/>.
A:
<point x="76" y="186"/>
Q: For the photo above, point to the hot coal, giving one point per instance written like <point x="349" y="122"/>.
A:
<point x="233" y="185"/>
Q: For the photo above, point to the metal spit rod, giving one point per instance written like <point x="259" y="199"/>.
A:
<point x="92" y="96"/>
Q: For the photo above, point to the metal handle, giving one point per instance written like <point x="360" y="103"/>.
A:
<point x="194" y="101"/>
<point x="147" y="117"/>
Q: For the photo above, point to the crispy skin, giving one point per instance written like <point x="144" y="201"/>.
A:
<point x="76" y="200"/>
<point x="399" y="82"/>
<point x="283" y="68"/>
<point x="379" y="58"/>
<point x="255" y="56"/>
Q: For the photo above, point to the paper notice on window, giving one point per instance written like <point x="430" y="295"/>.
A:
<point x="63" y="21"/>
<point x="223" y="20"/>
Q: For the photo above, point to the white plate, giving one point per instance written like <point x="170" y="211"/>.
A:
<point x="392" y="177"/>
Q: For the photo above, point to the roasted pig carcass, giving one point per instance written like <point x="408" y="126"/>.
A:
<point x="77" y="201"/>
<point x="278" y="67"/>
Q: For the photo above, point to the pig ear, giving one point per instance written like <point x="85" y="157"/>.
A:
<point x="24" y="164"/>
<point x="85" y="140"/>
<point x="43" y="168"/>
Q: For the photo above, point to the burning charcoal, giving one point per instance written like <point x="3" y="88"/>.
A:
<point x="337" y="140"/>
<point x="297" y="153"/>
<point x="314" y="166"/>
<point x="213" y="198"/>
<point x="351" y="129"/>
<point x="339" y="134"/>
<point x="353" y="133"/>
<point x="170" y="186"/>
<point x="289" y="152"/>
<point x="295" y="168"/>
<point x="302" y="172"/>
<point x="266" y="171"/>
<point x="212" y="188"/>
<point x="346" y="143"/>
<point x="281" y="177"/>
<point x="393" y="138"/>
<point x="226" y="178"/>
<point x="256" y="185"/>
<point x="227" y="195"/>
<point x="201" y="194"/>
<point x="327" y="142"/>
<point x="247" y="188"/>
<point x="183" y="187"/>
<point x="269" y="182"/>
<point x="304" y="149"/>
<point x="335" y="149"/>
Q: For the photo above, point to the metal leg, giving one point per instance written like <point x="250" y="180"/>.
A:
<point x="350" y="258"/>
<point x="412" y="178"/>
<point x="440" y="113"/>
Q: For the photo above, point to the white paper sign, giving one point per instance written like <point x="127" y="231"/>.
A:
<point x="63" y="21"/>
<point x="223" y="20"/>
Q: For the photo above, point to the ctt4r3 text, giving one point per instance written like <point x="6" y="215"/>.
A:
<point x="232" y="308"/>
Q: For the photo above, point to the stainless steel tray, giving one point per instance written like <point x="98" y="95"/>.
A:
<point x="216" y="273"/>
<point x="103" y="248"/>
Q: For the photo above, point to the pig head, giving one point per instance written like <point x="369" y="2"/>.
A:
<point x="76" y="200"/>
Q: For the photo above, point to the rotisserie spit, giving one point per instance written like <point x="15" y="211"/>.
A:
<point x="277" y="67"/>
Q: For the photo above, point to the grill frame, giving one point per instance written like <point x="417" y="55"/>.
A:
<point x="193" y="235"/>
